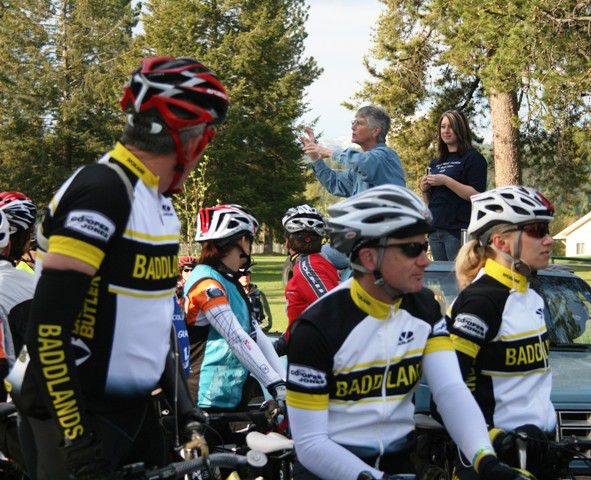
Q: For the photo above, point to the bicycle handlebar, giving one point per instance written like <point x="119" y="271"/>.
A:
<point x="178" y="470"/>
<point x="268" y="412"/>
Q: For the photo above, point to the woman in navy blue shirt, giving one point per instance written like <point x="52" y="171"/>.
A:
<point x="458" y="173"/>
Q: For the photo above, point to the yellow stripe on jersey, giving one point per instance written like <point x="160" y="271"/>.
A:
<point x="307" y="401"/>
<point x="529" y="333"/>
<point x="465" y="346"/>
<point x="391" y="398"/>
<point x="124" y="156"/>
<point x="490" y="373"/>
<point x="380" y="362"/>
<point x="154" y="238"/>
<point x="70" y="247"/>
<point x="141" y="294"/>
<point x="437" y="344"/>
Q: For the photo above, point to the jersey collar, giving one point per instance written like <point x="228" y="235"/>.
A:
<point x="506" y="276"/>
<point x="371" y="305"/>
<point x="129" y="160"/>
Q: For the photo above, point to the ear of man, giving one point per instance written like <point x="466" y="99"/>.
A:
<point x="368" y="258"/>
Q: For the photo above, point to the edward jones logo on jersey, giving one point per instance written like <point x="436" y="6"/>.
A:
<point x="90" y="223"/>
<point x="471" y="325"/>
<point x="306" y="376"/>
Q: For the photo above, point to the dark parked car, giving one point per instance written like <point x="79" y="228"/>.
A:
<point x="568" y="303"/>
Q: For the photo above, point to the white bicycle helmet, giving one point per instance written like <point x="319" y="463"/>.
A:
<point x="379" y="212"/>
<point x="224" y="222"/>
<point x="303" y="218"/>
<point x="515" y="204"/>
<point x="4" y="230"/>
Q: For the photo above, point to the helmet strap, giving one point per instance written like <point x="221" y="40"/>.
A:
<point x="181" y="159"/>
<point x="392" y="292"/>
<point x="517" y="264"/>
<point x="246" y="256"/>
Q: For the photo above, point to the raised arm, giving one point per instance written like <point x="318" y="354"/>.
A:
<point x="377" y="166"/>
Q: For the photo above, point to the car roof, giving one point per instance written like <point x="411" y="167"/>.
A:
<point x="553" y="270"/>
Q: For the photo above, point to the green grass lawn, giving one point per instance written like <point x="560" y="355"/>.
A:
<point x="266" y="273"/>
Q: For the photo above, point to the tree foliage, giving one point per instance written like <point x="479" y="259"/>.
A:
<point x="532" y="55"/>
<point x="60" y="80"/>
<point x="256" y="48"/>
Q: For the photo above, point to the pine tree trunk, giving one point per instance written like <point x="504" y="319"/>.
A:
<point x="503" y="107"/>
<point x="268" y="241"/>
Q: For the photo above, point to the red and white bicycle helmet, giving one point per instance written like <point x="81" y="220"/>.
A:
<point x="303" y="218"/>
<point x="4" y="230"/>
<point x="514" y="204"/>
<point x="19" y="209"/>
<point x="184" y="92"/>
<point x="224" y="222"/>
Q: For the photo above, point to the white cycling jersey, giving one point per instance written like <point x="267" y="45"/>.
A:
<point x="498" y="328"/>
<point x="354" y="363"/>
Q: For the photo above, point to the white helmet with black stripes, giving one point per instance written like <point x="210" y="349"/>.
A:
<point x="379" y="212"/>
<point x="516" y="205"/>
<point x="303" y="218"/>
<point x="4" y="231"/>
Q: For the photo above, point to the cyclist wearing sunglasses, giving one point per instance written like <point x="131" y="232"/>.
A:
<point x="497" y="322"/>
<point x="226" y="342"/>
<point x="357" y="354"/>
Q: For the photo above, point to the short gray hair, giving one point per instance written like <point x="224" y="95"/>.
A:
<point x="140" y="132"/>
<point x="377" y="117"/>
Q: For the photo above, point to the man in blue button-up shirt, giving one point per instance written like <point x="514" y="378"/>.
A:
<point x="376" y="165"/>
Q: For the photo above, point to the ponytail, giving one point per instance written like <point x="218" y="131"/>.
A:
<point x="473" y="255"/>
<point x="470" y="260"/>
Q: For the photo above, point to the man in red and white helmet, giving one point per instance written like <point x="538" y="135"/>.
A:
<point x="107" y="270"/>
<point x="312" y="274"/>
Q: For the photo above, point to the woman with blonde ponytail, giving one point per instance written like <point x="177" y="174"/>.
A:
<point x="497" y="322"/>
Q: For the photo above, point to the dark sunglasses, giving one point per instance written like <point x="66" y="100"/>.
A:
<point x="536" y="230"/>
<point x="187" y="269"/>
<point x="412" y="249"/>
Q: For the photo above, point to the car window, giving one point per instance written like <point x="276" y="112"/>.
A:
<point x="568" y="303"/>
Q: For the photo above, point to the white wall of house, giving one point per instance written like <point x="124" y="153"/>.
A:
<point x="578" y="243"/>
<point x="577" y="237"/>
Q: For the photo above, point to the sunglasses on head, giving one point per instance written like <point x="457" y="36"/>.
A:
<point x="411" y="249"/>
<point x="536" y="230"/>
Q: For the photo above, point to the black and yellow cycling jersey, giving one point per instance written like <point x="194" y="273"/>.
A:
<point x="111" y="216"/>
<point x="498" y="329"/>
<point x="361" y="360"/>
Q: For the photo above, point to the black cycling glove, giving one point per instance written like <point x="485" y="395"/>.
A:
<point x="491" y="468"/>
<point x="280" y="346"/>
<point x="85" y="460"/>
<point x="507" y="448"/>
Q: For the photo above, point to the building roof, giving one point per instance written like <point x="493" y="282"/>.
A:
<point x="572" y="227"/>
